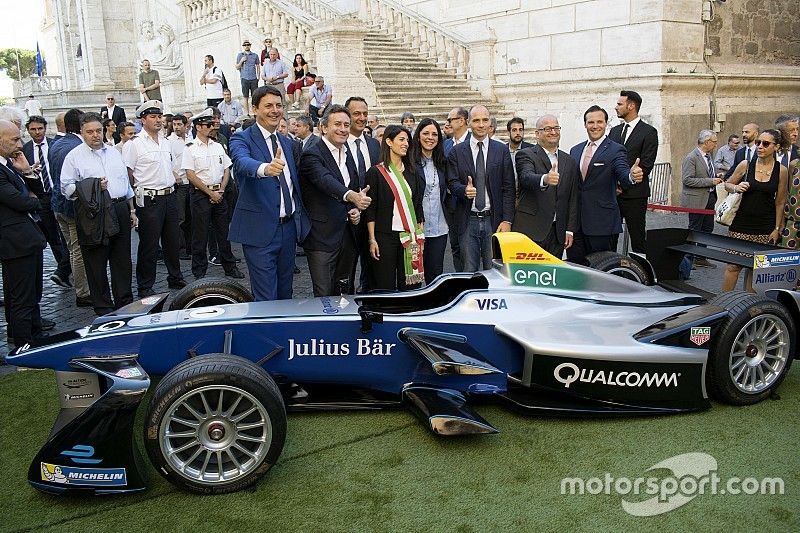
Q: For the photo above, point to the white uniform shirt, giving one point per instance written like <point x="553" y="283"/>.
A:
<point x="83" y="162"/>
<point x="151" y="162"/>
<point x="207" y="161"/>
<point x="177" y="145"/>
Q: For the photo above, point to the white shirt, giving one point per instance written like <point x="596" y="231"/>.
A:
<point x="632" y="124"/>
<point x="207" y="160"/>
<point x="84" y="162"/>
<point x="177" y="145"/>
<point x="351" y="141"/>
<point x="473" y="144"/>
<point x="553" y="160"/>
<point x="45" y="151"/>
<point x="340" y="156"/>
<point x="110" y="110"/>
<point x="150" y="162"/>
<point x="461" y="139"/>
<point x="33" y="107"/>
<point x="214" y="90"/>
<point x="262" y="170"/>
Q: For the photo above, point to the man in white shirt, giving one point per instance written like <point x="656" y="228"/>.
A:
<point x="95" y="159"/>
<point x="321" y="96"/>
<point x="149" y="160"/>
<point x="212" y="81"/>
<point x="33" y="107"/>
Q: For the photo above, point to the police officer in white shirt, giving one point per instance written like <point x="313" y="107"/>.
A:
<point x="208" y="168"/>
<point x="149" y="161"/>
<point x="95" y="159"/>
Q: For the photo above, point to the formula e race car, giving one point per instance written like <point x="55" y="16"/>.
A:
<point x="537" y="334"/>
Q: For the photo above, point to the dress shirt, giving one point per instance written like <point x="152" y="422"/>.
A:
<point x="231" y="113"/>
<point x="45" y="151"/>
<point x="724" y="158"/>
<point x="250" y="66"/>
<point x="150" y="161"/>
<point x="262" y="170"/>
<point x="318" y="97"/>
<point x="553" y="156"/>
<point x="84" y="162"/>
<point x="435" y="224"/>
<point x="632" y="124"/>
<point x="473" y="144"/>
<point x="340" y="156"/>
<point x="207" y="160"/>
<point x="272" y="69"/>
<point x="461" y="139"/>
<point x="177" y="146"/>
<point x="351" y="142"/>
<point x="110" y="111"/>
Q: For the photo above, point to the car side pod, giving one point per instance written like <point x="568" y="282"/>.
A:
<point x="445" y="411"/>
<point x="91" y="448"/>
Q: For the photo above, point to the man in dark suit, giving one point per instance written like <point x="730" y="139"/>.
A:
<point x="548" y="190"/>
<point x="269" y="219"/>
<point x="458" y="120"/>
<point x="748" y="149"/>
<point x="333" y="196"/>
<point x="641" y="142"/>
<point x="481" y="178"/>
<point x="516" y="142"/>
<point x="604" y="167"/>
<point x="114" y="112"/>
<point x="21" y="241"/>
<point x="36" y="151"/>
<point x="305" y="132"/>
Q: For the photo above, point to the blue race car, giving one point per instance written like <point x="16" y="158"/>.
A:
<point x="534" y="333"/>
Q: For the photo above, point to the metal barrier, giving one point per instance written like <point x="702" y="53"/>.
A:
<point x="660" y="182"/>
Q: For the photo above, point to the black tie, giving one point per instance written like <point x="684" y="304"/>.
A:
<point x="624" y="132"/>
<point x="287" y="198"/>
<point x="747" y="154"/>
<point x="45" y="175"/>
<point x="362" y="165"/>
<point x="480" y="179"/>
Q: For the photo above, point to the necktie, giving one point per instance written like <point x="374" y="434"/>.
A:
<point x="287" y="198"/>
<point x="45" y="176"/>
<point x="362" y="165"/>
<point x="587" y="157"/>
<point x="624" y="133"/>
<point x="710" y="166"/>
<point x="747" y="154"/>
<point x="34" y="216"/>
<point x="480" y="179"/>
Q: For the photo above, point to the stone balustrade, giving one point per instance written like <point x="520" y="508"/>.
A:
<point x="38" y="85"/>
<point x="316" y="9"/>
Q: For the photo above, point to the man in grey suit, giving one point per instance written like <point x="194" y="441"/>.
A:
<point x="699" y="182"/>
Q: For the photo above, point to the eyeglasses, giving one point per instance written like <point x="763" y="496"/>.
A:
<point x="550" y="129"/>
<point x="449" y="119"/>
<point x="764" y="143"/>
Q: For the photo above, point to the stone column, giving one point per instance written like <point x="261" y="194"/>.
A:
<point x="480" y="75"/>
<point x="96" y="53"/>
<point x="339" y="49"/>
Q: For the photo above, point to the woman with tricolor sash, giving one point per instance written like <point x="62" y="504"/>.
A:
<point x="395" y="217"/>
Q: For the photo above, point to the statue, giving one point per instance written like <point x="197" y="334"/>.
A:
<point x="162" y="50"/>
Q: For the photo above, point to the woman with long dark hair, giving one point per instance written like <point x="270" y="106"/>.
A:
<point x="301" y="79"/>
<point x="395" y="217"/>
<point x="427" y="156"/>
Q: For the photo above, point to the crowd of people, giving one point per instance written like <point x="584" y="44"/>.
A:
<point x="334" y="181"/>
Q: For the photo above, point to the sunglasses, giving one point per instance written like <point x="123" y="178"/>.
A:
<point x="764" y="143"/>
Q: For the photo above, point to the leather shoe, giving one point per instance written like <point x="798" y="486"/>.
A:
<point x="47" y="324"/>
<point x="704" y="263"/>
<point x="61" y="281"/>
<point x="178" y="284"/>
<point x="84" y="301"/>
<point x="235" y="273"/>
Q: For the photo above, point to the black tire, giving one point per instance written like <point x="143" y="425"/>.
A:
<point x="757" y="341"/>
<point x="619" y="265"/>
<point x="188" y="448"/>
<point x="210" y="291"/>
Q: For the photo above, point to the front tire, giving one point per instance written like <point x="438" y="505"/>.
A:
<point x="754" y="350"/>
<point x="216" y="424"/>
<point x="210" y="291"/>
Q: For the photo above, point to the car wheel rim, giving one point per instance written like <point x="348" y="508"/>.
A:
<point x="215" y="434"/>
<point x="759" y="353"/>
<point x="625" y="273"/>
<point x="208" y="300"/>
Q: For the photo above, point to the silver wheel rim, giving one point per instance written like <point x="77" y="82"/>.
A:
<point x="215" y="434"/>
<point x="626" y="273"/>
<point x="209" y="299"/>
<point x="759" y="353"/>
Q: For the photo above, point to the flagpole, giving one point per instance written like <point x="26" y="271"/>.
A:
<point x="19" y="70"/>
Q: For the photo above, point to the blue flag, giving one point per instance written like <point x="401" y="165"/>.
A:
<point x="39" y="62"/>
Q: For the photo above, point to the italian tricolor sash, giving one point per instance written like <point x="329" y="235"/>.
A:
<point x="413" y="238"/>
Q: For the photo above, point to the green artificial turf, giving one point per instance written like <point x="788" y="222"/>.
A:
<point x="382" y="471"/>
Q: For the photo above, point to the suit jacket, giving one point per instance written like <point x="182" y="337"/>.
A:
<point x="641" y="143"/>
<point x="118" y="115"/>
<point x="449" y="143"/>
<point x="311" y="141"/>
<point x="538" y="206"/>
<point x="738" y="157"/>
<point x="257" y="212"/>
<point x="696" y="183"/>
<point x="323" y="190"/>
<point x="499" y="177"/>
<point x="599" y="212"/>
<point x="57" y="153"/>
<point x="19" y="234"/>
<point x="381" y="210"/>
<point x="34" y="184"/>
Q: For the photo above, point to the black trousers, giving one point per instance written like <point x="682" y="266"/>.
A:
<point x="116" y="255"/>
<point x="583" y="245"/>
<point x="158" y="220"/>
<point x="551" y="244"/>
<point x="22" y="290"/>
<point x="332" y="273"/>
<point x="433" y="256"/>
<point x="229" y="198"/>
<point x="634" y="211"/>
<point x="389" y="273"/>
<point x="49" y="226"/>
<point x="184" y="216"/>
<point x="204" y="213"/>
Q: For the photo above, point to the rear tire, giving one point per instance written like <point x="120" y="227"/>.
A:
<point x="215" y="425"/>
<point x="619" y="265"/>
<point x="754" y="350"/>
<point x="210" y="291"/>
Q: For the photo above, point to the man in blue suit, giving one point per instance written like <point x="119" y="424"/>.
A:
<point x="269" y="219"/>
<point x="481" y="178"/>
<point x="458" y="120"/>
<point x="603" y="165"/>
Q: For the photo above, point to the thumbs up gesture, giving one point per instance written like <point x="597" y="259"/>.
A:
<point x="636" y="172"/>
<point x="553" y="176"/>
<point x="470" y="191"/>
<point x="275" y="167"/>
